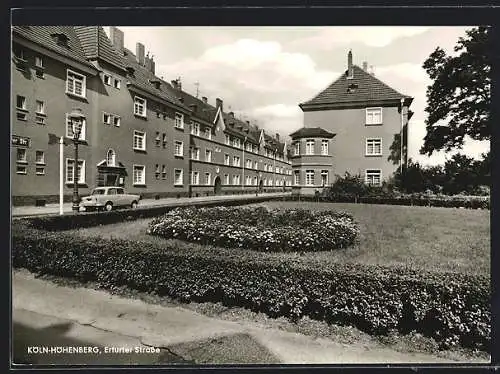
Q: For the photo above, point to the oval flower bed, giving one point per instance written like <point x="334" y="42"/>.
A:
<point x="258" y="228"/>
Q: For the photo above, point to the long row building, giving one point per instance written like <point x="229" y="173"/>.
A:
<point x="139" y="131"/>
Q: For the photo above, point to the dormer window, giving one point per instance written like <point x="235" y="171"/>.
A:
<point x="156" y="83"/>
<point x="352" y="88"/>
<point x="130" y="71"/>
<point x="60" y="38"/>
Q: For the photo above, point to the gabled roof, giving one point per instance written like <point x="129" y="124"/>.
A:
<point x="96" y="45"/>
<point x="311" y="132"/>
<point x="42" y="35"/>
<point x="362" y="88"/>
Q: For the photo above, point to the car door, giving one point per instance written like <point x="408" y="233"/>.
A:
<point x="112" y="196"/>
<point x="121" y="197"/>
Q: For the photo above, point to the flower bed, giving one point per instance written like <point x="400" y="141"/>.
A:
<point x="258" y="228"/>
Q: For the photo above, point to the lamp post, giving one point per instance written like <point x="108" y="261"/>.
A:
<point x="76" y="118"/>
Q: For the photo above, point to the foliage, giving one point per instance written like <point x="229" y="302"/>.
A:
<point x="460" y="95"/>
<point x="258" y="228"/>
<point x="452" y="308"/>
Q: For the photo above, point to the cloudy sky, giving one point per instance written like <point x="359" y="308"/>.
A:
<point x="263" y="73"/>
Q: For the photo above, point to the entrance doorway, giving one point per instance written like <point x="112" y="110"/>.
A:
<point x="217" y="186"/>
<point x="261" y="185"/>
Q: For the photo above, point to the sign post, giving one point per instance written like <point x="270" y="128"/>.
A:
<point x="61" y="175"/>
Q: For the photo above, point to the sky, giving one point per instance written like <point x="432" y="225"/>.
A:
<point x="263" y="73"/>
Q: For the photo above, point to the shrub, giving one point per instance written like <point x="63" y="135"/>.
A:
<point x="452" y="308"/>
<point x="258" y="228"/>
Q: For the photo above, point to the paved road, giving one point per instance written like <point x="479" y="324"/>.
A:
<point x="47" y="314"/>
<point x="51" y="209"/>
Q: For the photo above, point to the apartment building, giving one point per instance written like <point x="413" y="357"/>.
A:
<point x="139" y="131"/>
<point x="354" y="125"/>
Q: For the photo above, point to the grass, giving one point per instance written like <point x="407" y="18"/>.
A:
<point x="434" y="239"/>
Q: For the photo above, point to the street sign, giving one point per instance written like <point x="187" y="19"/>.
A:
<point x="21" y="141"/>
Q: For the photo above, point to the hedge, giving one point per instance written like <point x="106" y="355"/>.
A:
<point x="452" y="308"/>
<point x="258" y="228"/>
<point x="90" y="219"/>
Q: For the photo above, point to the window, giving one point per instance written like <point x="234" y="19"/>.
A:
<point x="248" y="164"/>
<point x="80" y="172"/>
<point x="310" y="177"/>
<point x="20" y="102"/>
<point x="139" y="140"/>
<point x="236" y="142"/>
<point x="139" y="175"/>
<point x="195" y="177"/>
<point x="374" y="147"/>
<point x="255" y="149"/>
<point x="195" y="129"/>
<point x="116" y="121"/>
<point x="310" y="147"/>
<point x="111" y="158"/>
<point x="226" y="159"/>
<point x="208" y="155"/>
<point x="40" y="170"/>
<point x="179" y="120"/>
<point x="227" y="139"/>
<point x="178" y="178"/>
<point x="117" y="83"/>
<point x="106" y="118"/>
<point x="140" y="106"/>
<point x="207" y="178"/>
<point x="21" y="155"/>
<point x="178" y="149"/>
<point x="324" y="147"/>
<point x="39" y="61"/>
<point x="324" y="177"/>
<point x="157" y="139"/>
<point x="373" y="177"/>
<point x="226" y="179"/>
<point x="107" y="79"/>
<point x="255" y="165"/>
<point x="236" y="180"/>
<point x="157" y="171"/>
<point x="248" y="147"/>
<point x="40" y="107"/>
<point x="373" y="116"/>
<point x="75" y="83"/>
<point x="40" y="157"/>
<point x="21" y="169"/>
<point x="163" y="172"/>
<point x="195" y="153"/>
<point x="296" y="149"/>
<point x="254" y="181"/>
<point x="21" y="116"/>
<point x="248" y="180"/>
<point x="69" y="128"/>
<point x="208" y="133"/>
<point x="164" y="140"/>
<point x="236" y="161"/>
<point x="277" y="170"/>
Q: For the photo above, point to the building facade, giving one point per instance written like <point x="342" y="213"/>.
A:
<point x="139" y="131"/>
<point x="355" y="126"/>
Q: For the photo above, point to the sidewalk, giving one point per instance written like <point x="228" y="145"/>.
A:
<point x="51" y="315"/>
<point x="19" y="211"/>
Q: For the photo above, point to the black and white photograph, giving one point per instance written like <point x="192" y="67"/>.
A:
<point x="235" y="195"/>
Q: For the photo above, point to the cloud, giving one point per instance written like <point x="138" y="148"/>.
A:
<point x="380" y="36"/>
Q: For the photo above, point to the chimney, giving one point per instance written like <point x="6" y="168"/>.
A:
<point x="231" y="114"/>
<point x="372" y="71"/>
<point x="277" y="137"/>
<point x="219" y="103"/>
<point x="149" y="63"/>
<point x="204" y="99"/>
<point x="152" y="70"/>
<point x="116" y="36"/>
<point x="139" y="53"/>
<point x="365" y="66"/>
<point x="350" y="72"/>
<point x="175" y="84"/>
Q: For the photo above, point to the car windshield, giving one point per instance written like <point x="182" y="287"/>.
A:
<point x="98" y="192"/>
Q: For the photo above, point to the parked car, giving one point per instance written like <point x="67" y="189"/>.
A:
<point x="108" y="198"/>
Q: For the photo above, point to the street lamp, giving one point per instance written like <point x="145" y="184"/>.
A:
<point x="76" y="118"/>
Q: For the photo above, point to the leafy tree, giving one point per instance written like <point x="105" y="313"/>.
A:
<point x="461" y="174"/>
<point x="458" y="101"/>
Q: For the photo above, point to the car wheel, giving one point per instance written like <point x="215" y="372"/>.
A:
<point x="109" y="206"/>
<point x="134" y="204"/>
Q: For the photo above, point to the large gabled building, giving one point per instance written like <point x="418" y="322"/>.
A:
<point x="354" y="126"/>
<point x="139" y="131"/>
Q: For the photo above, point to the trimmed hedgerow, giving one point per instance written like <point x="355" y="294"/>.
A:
<point x="452" y="308"/>
<point x="258" y="228"/>
<point x="90" y="219"/>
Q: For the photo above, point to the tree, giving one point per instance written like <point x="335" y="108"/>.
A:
<point x="461" y="173"/>
<point x="460" y="95"/>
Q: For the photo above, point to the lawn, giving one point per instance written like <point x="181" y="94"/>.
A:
<point x="435" y="239"/>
